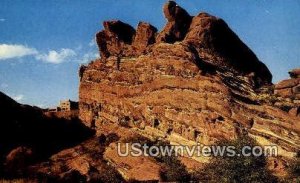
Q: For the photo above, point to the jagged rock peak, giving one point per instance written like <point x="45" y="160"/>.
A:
<point x="121" y="39"/>
<point x="178" y="23"/>
<point x="208" y="38"/>
<point x="173" y="12"/>
<point x="115" y="38"/>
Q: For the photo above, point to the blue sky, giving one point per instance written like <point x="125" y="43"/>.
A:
<point x="42" y="43"/>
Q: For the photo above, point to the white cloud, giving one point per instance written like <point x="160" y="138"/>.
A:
<point x="57" y="57"/>
<point x="18" y="98"/>
<point x="2" y="19"/>
<point x="8" y="51"/>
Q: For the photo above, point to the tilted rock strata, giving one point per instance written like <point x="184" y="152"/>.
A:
<point x="200" y="85"/>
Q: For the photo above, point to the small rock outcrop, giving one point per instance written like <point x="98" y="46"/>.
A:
<point x="121" y="40"/>
<point x="115" y="39"/>
<point x="288" y="91"/>
<point x="18" y="159"/>
<point x="295" y="73"/>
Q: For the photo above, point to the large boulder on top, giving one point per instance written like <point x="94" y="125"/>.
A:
<point x="178" y="23"/>
<point x="218" y="45"/>
<point x="115" y="39"/>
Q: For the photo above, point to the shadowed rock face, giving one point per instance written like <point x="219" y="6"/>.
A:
<point x="120" y="39"/>
<point x="196" y="80"/>
<point x="27" y="136"/>
<point x="115" y="38"/>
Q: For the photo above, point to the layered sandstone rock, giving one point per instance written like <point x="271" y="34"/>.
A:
<point x="198" y="82"/>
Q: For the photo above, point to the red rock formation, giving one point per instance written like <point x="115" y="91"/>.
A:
<point x="198" y="82"/>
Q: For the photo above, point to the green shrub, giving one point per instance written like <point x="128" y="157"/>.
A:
<point x="294" y="169"/>
<point x="109" y="174"/>
<point x="172" y="170"/>
<point x="236" y="169"/>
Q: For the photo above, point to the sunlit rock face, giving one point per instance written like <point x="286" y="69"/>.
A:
<point x="195" y="79"/>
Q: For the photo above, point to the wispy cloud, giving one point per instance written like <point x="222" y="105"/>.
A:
<point x="57" y="57"/>
<point x="9" y="51"/>
<point x="88" y="57"/>
<point x="92" y="43"/>
<point x="2" y="19"/>
<point x="18" y="98"/>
